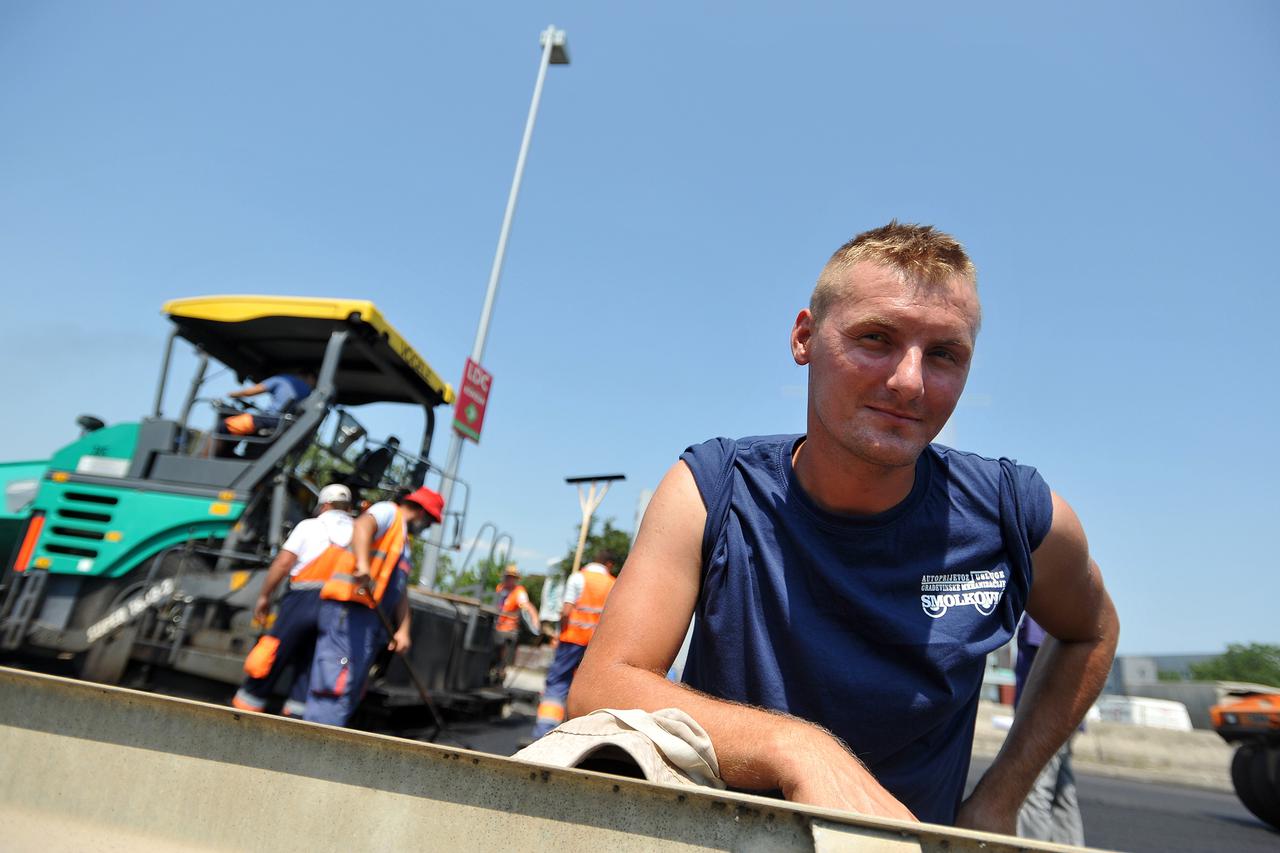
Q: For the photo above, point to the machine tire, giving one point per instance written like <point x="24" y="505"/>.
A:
<point x="1242" y="778"/>
<point x="106" y="661"/>
<point x="1264" y="773"/>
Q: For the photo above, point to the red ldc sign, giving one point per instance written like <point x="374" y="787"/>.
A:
<point x="468" y="416"/>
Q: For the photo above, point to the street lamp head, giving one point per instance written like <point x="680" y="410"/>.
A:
<point x="596" y="478"/>
<point x="559" y="45"/>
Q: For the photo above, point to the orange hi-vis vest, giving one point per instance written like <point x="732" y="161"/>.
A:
<point x="509" y="615"/>
<point x="587" y="609"/>
<point x="316" y="574"/>
<point x="341" y="564"/>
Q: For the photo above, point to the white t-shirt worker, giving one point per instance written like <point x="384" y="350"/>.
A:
<point x="312" y="536"/>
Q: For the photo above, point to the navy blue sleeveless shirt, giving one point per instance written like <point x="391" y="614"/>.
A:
<point x="876" y="627"/>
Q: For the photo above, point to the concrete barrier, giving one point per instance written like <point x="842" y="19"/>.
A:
<point x="84" y="766"/>
<point x="1131" y="752"/>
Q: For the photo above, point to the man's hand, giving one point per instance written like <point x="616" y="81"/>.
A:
<point x="400" y="641"/>
<point x="361" y="576"/>
<point x="1070" y="602"/>
<point x="976" y="813"/>
<point x="262" y="609"/>
<point x="819" y="771"/>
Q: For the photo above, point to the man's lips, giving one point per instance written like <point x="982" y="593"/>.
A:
<point x="902" y="416"/>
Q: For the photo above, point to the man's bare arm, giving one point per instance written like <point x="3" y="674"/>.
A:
<point x="362" y="533"/>
<point x="277" y="572"/>
<point x="1069" y="601"/>
<point x="251" y="391"/>
<point x="400" y="640"/>
<point x="643" y="625"/>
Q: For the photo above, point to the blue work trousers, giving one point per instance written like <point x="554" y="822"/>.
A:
<point x="559" y="679"/>
<point x="351" y="635"/>
<point x="295" y="628"/>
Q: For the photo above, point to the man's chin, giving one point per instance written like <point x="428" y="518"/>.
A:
<point x="888" y="452"/>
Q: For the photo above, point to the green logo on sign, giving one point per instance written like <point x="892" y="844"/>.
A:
<point x="470" y="413"/>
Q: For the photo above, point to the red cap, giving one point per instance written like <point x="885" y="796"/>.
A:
<point x="429" y="501"/>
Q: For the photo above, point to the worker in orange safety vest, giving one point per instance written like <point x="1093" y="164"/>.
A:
<point x="584" y="598"/>
<point x="513" y="598"/>
<point x="372" y="573"/>
<point x="290" y="640"/>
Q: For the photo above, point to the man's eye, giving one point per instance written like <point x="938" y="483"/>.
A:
<point x="947" y="354"/>
<point x="874" y="337"/>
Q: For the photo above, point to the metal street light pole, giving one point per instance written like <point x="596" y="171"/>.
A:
<point x="555" y="51"/>
<point x="589" y="502"/>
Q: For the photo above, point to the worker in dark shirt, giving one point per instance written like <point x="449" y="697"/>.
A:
<point x="286" y="391"/>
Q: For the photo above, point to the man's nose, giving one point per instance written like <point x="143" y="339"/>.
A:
<point x="908" y="375"/>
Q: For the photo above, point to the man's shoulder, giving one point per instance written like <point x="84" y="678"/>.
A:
<point x="304" y="533"/>
<point x="383" y="513"/>
<point x="713" y="454"/>
<point x="757" y="457"/>
<point x="307" y="526"/>
<point x="748" y="444"/>
<point x="968" y="463"/>
<point x="336" y="521"/>
<point x="991" y="481"/>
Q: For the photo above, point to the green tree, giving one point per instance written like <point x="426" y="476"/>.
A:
<point x="483" y="573"/>
<point x="606" y="537"/>
<point x="1256" y="662"/>
<point x="320" y="467"/>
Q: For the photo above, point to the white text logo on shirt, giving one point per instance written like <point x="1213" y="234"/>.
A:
<point x="981" y="589"/>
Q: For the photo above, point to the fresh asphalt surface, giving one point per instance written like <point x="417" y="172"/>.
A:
<point x="1118" y="814"/>
<point x="1146" y="816"/>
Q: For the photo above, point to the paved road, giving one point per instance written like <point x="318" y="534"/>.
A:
<point x="1143" y="816"/>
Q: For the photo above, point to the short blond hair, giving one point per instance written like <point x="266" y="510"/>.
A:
<point x="920" y="253"/>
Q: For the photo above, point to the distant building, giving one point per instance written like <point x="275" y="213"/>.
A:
<point x="1133" y="670"/>
<point x="1179" y="665"/>
<point x="1168" y="677"/>
<point x="1144" y="676"/>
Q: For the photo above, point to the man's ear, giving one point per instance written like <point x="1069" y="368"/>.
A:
<point x="802" y="336"/>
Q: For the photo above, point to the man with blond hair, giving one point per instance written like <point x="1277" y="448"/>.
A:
<point x="849" y="582"/>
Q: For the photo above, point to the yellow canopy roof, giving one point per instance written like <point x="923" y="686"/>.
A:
<point x="259" y="336"/>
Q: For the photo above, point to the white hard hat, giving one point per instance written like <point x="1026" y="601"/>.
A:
<point x="333" y="493"/>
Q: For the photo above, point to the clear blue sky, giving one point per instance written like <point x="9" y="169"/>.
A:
<point x="1112" y="168"/>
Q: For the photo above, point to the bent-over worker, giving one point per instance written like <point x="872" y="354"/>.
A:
<point x="373" y="574"/>
<point x="291" y="638"/>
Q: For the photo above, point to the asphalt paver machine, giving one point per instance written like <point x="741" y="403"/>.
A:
<point x="135" y="543"/>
